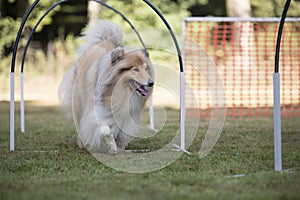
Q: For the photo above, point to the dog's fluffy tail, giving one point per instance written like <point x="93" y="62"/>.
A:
<point x="99" y="31"/>
<point x="65" y="93"/>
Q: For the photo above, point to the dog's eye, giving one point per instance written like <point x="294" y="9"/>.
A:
<point x="136" y="69"/>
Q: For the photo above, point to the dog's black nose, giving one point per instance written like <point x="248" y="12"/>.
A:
<point x="150" y="83"/>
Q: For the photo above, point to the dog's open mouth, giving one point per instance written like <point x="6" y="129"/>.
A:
<point x="141" y="89"/>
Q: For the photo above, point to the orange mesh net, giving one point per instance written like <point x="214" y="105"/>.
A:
<point x="243" y="53"/>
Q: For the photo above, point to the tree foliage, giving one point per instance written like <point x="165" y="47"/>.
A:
<point x="11" y="20"/>
<point x="274" y="8"/>
<point x="136" y="10"/>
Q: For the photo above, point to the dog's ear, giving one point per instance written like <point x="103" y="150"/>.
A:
<point x="146" y="53"/>
<point x="117" y="55"/>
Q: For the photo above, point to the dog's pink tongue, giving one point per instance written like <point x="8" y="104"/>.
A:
<point x="144" y="91"/>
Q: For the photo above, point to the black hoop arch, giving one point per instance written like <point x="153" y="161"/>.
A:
<point x="16" y="44"/>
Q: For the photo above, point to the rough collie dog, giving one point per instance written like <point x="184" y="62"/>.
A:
<point x="106" y="89"/>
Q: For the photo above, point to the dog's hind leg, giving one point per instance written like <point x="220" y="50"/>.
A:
<point x="109" y="139"/>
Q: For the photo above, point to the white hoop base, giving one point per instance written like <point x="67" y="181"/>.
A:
<point x="178" y="148"/>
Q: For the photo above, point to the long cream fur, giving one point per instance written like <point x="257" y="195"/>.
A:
<point x="101" y="90"/>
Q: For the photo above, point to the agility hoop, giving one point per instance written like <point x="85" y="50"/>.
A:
<point x="12" y="77"/>
<point x="182" y="109"/>
<point x="276" y="89"/>
<point x="22" y="104"/>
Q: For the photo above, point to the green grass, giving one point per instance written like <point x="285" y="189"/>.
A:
<point x="47" y="164"/>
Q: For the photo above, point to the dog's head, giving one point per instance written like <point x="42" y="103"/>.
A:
<point x="136" y="69"/>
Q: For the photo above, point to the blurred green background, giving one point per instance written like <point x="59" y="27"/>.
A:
<point x="54" y="43"/>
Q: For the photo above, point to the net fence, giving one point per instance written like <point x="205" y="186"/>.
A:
<point x="242" y="51"/>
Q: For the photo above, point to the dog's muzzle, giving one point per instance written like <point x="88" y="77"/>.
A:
<point x="143" y="89"/>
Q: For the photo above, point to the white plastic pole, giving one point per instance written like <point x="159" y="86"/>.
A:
<point x="12" y="112"/>
<point x="182" y="112"/>
<point x="22" y="112"/>
<point x="182" y="107"/>
<point x="182" y="117"/>
<point x="277" y="123"/>
<point x="239" y="19"/>
<point x="151" y="114"/>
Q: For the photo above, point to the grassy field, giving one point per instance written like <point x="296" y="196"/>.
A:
<point x="48" y="165"/>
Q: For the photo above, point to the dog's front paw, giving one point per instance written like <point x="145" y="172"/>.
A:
<point x="112" y="150"/>
<point x="109" y="140"/>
